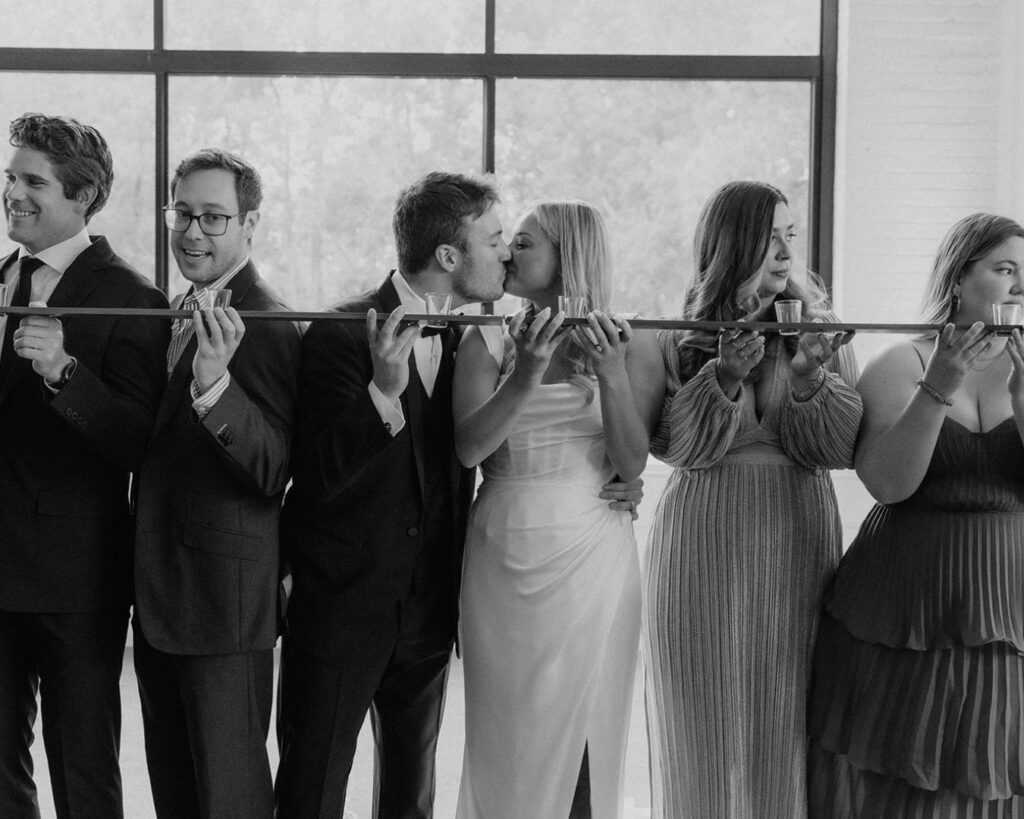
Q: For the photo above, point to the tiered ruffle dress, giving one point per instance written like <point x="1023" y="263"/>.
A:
<point x="918" y="686"/>
<point x="745" y="538"/>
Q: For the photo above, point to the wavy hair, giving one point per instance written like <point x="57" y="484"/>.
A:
<point x="970" y="239"/>
<point x="78" y="153"/>
<point x="732" y="239"/>
<point x="578" y="232"/>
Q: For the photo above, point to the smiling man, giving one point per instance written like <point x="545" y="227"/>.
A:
<point x="206" y="545"/>
<point x="78" y="398"/>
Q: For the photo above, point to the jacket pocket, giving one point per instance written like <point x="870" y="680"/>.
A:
<point x="80" y="505"/>
<point x="223" y="542"/>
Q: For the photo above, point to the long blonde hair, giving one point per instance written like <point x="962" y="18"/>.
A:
<point x="732" y="239"/>
<point x="578" y="232"/>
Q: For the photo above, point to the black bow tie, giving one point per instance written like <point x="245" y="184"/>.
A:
<point x="426" y="332"/>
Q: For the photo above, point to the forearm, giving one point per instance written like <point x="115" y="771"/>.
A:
<point x="626" y="437"/>
<point x="481" y="431"/>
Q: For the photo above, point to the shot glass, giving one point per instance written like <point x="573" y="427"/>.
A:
<point x="788" y="311"/>
<point x="1006" y="314"/>
<point x="220" y="298"/>
<point x="438" y="304"/>
<point x="572" y="306"/>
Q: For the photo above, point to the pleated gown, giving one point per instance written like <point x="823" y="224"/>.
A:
<point x="918" y="686"/>
<point x="745" y="538"/>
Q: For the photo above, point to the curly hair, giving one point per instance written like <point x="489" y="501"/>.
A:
<point x="732" y="239"/>
<point x="79" y="154"/>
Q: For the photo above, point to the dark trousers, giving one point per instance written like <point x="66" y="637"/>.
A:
<point x="73" y="661"/>
<point x="206" y="720"/>
<point x="322" y="707"/>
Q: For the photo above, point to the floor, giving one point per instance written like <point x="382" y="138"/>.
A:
<point x="139" y="804"/>
<point x="853" y="501"/>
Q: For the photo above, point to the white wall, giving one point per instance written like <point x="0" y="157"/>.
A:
<point x="930" y="123"/>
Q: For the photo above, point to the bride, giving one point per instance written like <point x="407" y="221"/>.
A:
<point x="551" y="590"/>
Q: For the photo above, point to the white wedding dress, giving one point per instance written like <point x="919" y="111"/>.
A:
<point x="550" y="618"/>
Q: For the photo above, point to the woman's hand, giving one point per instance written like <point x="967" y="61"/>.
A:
<point x="815" y="350"/>
<point x="739" y="351"/>
<point x="535" y="342"/>
<point x="604" y="338"/>
<point x="953" y="355"/>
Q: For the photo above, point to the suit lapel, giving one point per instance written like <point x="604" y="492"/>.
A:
<point x="73" y="290"/>
<point x="413" y="397"/>
<point x="240" y="285"/>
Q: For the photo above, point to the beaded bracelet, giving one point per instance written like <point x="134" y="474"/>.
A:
<point x="934" y="393"/>
<point x="803" y="395"/>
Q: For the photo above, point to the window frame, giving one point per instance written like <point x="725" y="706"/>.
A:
<point x="489" y="66"/>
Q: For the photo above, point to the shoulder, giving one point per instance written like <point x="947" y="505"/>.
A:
<point x="120" y="283"/>
<point x="893" y="368"/>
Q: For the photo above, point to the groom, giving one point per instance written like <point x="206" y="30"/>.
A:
<point x="374" y="523"/>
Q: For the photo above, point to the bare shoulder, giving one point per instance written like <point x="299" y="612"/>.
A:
<point x="889" y="379"/>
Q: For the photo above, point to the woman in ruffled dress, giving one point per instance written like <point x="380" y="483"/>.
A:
<point x="918" y="684"/>
<point x="747" y="532"/>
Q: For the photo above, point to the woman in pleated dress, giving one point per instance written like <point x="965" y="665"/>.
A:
<point x="747" y="532"/>
<point x="918" y="683"/>
<point x="551" y="588"/>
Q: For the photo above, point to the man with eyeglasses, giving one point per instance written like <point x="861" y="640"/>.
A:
<point x="209" y="493"/>
<point x="78" y="397"/>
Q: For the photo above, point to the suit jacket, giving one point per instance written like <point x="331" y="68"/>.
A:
<point x="65" y="459"/>
<point x="355" y="523"/>
<point x="209" y="494"/>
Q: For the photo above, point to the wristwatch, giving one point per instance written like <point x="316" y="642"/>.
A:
<point x="65" y="375"/>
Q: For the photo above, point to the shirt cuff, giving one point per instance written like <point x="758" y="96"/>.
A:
<point x="390" y="414"/>
<point x="203" y="402"/>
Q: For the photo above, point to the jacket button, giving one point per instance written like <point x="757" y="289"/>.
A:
<point x="412" y="531"/>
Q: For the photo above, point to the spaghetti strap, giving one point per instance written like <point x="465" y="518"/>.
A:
<point x="919" y="356"/>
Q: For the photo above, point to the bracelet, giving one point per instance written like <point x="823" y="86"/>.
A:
<point x="803" y="395"/>
<point x="934" y="393"/>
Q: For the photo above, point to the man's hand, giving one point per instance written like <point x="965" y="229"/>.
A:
<point x="40" y="339"/>
<point x="218" y="332"/>
<point x="625" y="496"/>
<point x="390" y="352"/>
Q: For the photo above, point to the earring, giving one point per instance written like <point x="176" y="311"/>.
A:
<point x="956" y="298"/>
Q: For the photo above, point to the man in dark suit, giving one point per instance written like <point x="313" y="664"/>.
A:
<point x="77" y="401"/>
<point x="209" y="496"/>
<point x="373" y="526"/>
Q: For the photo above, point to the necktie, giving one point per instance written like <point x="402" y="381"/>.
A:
<point x="182" y="332"/>
<point x="27" y="265"/>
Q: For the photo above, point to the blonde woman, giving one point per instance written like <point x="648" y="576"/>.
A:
<point x="551" y="588"/>
<point x="747" y="531"/>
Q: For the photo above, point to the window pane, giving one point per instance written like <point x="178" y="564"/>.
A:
<point x="327" y="25"/>
<point x="72" y="24"/>
<point x="648" y="154"/>
<point x="333" y="154"/>
<point x="770" y="27"/>
<point x="121" y="108"/>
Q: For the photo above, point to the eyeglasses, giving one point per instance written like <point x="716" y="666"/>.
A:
<point x="211" y="224"/>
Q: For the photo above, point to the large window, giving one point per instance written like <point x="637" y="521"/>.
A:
<point x="642" y="109"/>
